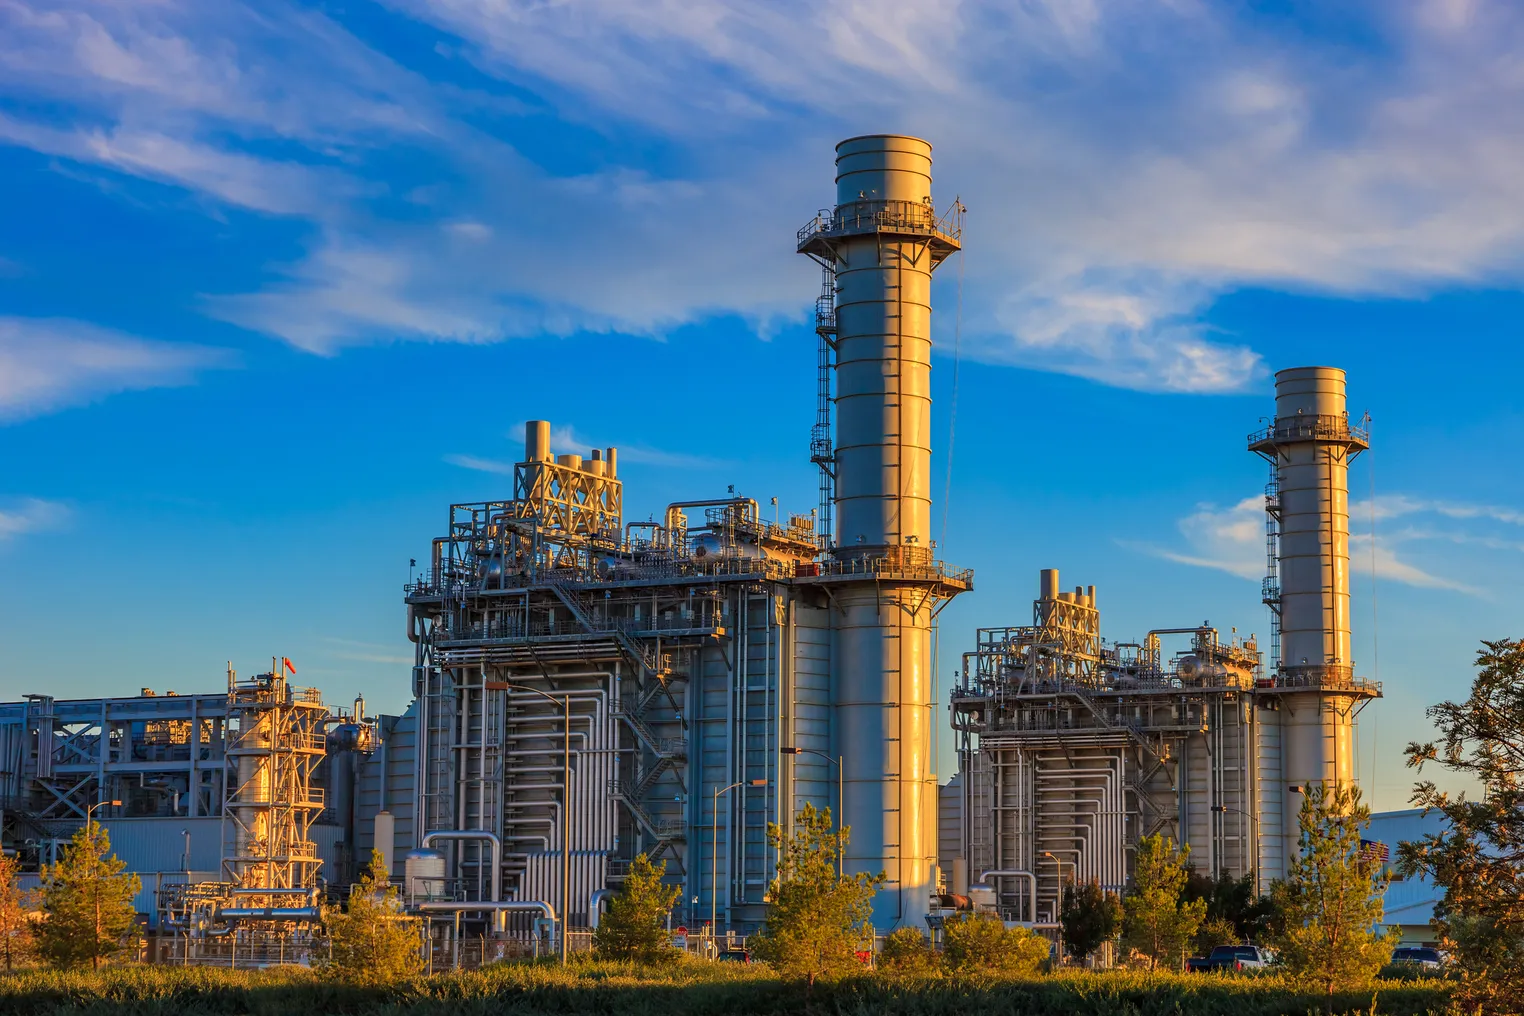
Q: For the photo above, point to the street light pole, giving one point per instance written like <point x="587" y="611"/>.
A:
<point x="564" y="701"/>
<point x="91" y="810"/>
<point x="1059" y="915"/>
<point x="841" y="849"/>
<point x="1223" y="809"/>
<point x="714" y="855"/>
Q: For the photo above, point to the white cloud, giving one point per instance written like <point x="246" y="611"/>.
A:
<point x="1232" y="540"/>
<point x="364" y="652"/>
<point x="480" y="465"/>
<point x="31" y="515"/>
<point x="1394" y="506"/>
<point x="49" y="363"/>
<point x="1125" y="164"/>
<point x="566" y="441"/>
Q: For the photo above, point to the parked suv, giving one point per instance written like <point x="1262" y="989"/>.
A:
<point x="1419" y="956"/>
<point x="1232" y="957"/>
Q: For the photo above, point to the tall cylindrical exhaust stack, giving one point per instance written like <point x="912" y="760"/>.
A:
<point x="1310" y="444"/>
<point x="881" y="243"/>
<point x="883" y="346"/>
<point x="1314" y="446"/>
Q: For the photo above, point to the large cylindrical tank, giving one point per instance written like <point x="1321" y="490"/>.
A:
<point x="385" y="839"/>
<point x="537" y="441"/>
<point x="423" y="872"/>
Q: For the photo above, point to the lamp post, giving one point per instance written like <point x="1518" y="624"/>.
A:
<point x="1223" y="809"/>
<point x="841" y="849"/>
<point x="1059" y="915"/>
<point x="91" y="810"/>
<point x="565" y="703"/>
<point x="714" y="855"/>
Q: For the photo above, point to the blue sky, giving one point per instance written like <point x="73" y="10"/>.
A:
<point x="278" y="282"/>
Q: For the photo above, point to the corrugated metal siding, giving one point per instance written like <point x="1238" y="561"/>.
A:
<point x="396" y="760"/>
<point x="949" y="823"/>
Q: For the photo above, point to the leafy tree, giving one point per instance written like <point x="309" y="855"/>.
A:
<point x="633" y="929"/>
<point x="1333" y="896"/>
<point x="1157" y="922"/>
<point x="16" y="932"/>
<point x="975" y="943"/>
<point x="1479" y="857"/>
<point x="1090" y="917"/>
<point x="818" y="920"/>
<point x="1230" y="900"/>
<point x="1215" y="931"/>
<point x="906" y="951"/>
<point x="373" y="941"/>
<point x="88" y="902"/>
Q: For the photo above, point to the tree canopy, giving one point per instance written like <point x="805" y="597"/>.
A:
<point x="981" y="943"/>
<point x="818" y="919"/>
<point x="372" y="941"/>
<point x="633" y="927"/>
<point x="1478" y="859"/>
<point x="1332" y="895"/>
<point x="87" y="902"/>
<point x="1090" y="917"/>
<point x="16" y="931"/>
<point x="1157" y="921"/>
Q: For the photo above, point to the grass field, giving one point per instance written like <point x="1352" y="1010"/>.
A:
<point x="686" y="989"/>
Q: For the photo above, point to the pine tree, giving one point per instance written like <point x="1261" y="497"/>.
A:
<point x="16" y="932"/>
<point x="1090" y="917"/>
<point x="632" y="929"/>
<point x="818" y="920"/>
<point x="372" y="942"/>
<point x="1478" y="859"/>
<point x="1157" y="922"/>
<point x="87" y="901"/>
<point x="1333" y="896"/>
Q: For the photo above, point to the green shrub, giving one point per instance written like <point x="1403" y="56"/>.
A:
<point x="981" y="943"/>
<point x="682" y="989"/>
<point x="906" y="951"/>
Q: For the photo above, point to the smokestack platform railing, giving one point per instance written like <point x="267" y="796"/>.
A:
<point x="1288" y="429"/>
<point x="855" y="218"/>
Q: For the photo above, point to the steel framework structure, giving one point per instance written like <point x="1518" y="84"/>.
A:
<point x="1074" y="748"/>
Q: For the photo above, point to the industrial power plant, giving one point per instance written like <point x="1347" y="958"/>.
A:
<point x="586" y="689"/>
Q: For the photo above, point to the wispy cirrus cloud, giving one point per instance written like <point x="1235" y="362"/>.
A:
<point x="364" y="652"/>
<point x="565" y="440"/>
<point x="1125" y="164"/>
<point x="30" y="515"/>
<point x="50" y="363"/>
<point x="1232" y="539"/>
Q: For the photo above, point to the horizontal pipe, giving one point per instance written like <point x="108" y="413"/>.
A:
<point x="497" y="908"/>
<point x="270" y="914"/>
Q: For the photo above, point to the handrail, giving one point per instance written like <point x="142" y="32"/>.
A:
<point x="1311" y="427"/>
<point x="874" y="214"/>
